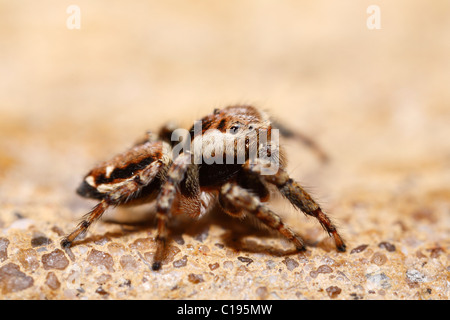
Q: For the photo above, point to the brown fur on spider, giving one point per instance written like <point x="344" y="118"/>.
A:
<point x="229" y="157"/>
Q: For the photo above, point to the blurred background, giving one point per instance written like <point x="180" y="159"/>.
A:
<point x="367" y="80"/>
<point x="80" y="81"/>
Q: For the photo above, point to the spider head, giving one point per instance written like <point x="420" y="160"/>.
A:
<point x="235" y="132"/>
<point x="234" y="120"/>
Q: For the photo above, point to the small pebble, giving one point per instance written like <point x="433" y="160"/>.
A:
<point x="231" y="253"/>
<point x="101" y="291"/>
<point x="245" y="260"/>
<point x="40" y="241"/>
<point x="327" y="260"/>
<point x="4" y="243"/>
<point x="273" y="279"/>
<point x="171" y="252"/>
<point x="128" y="263"/>
<point x="19" y="215"/>
<point x="102" y="240"/>
<point x="435" y="252"/>
<point x="299" y="295"/>
<point x="415" y="276"/>
<point x="359" y="249"/>
<point x="126" y="283"/>
<point x="356" y="296"/>
<point x="143" y="244"/>
<point x="214" y="266"/>
<point x="52" y="281"/>
<point x="21" y="224"/>
<point x="368" y="253"/>
<point x="378" y="258"/>
<point x="69" y="252"/>
<point x="28" y="258"/>
<point x="241" y="270"/>
<point x="419" y="254"/>
<point x="324" y="269"/>
<point x="228" y="265"/>
<point x="180" y="263"/>
<point x="148" y="256"/>
<point x="270" y="264"/>
<point x="74" y="278"/>
<point x="103" y="278"/>
<point x="261" y="292"/>
<point x="58" y="231"/>
<point x="424" y="214"/>
<point x="70" y="294"/>
<point x="100" y="258"/>
<point x="195" y="278"/>
<point x="203" y="249"/>
<point x="13" y="280"/>
<point x="55" y="260"/>
<point x="386" y="245"/>
<point x="333" y="291"/>
<point x="291" y="264"/>
<point x="116" y="249"/>
<point x="379" y="279"/>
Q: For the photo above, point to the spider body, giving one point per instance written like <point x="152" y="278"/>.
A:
<point x="227" y="161"/>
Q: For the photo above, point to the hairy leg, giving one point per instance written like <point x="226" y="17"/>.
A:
<point x="235" y="200"/>
<point x="295" y="134"/>
<point x="165" y="201"/>
<point x="294" y="192"/>
<point x="120" y="195"/>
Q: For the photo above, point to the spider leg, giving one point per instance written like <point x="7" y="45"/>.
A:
<point x="303" y="138"/>
<point x="123" y="193"/>
<point x="236" y="199"/>
<point x="164" y="134"/>
<point x="164" y="203"/>
<point x="294" y="192"/>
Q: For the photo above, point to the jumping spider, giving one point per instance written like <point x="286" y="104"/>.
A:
<point x="181" y="184"/>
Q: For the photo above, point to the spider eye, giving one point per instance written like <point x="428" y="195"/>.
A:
<point x="234" y="129"/>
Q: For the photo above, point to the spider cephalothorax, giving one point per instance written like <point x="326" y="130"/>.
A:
<point x="232" y="157"/>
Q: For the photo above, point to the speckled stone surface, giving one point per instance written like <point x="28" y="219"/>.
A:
<point x="376" y="100"/>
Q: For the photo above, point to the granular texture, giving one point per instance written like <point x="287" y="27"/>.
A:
<point x="55" y="260"/>
<point x="13" y="280"/>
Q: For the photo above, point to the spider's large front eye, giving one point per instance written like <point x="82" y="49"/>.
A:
<point x="234" y="129"/>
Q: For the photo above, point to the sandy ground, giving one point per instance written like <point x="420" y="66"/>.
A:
<point x="378" y="102"/>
